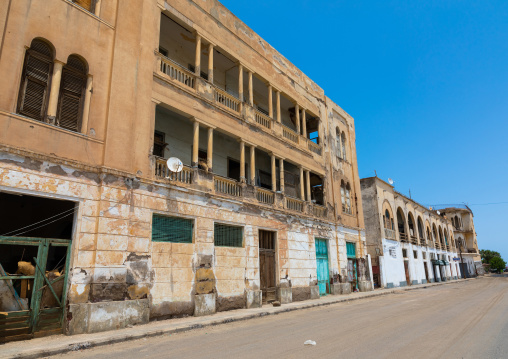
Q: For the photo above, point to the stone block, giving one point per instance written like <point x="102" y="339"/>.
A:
<point x="205" y="287"/>
<point x="403" y="284"/>
<point x="414" y="282"/>
<point x="117" y="314"/>
<point x="204" y="304"/>
<point x="314" y="292"/>
<point x="78" y="323"/>
<point x="365" y="286"/>
<point x="253" y="299"/>
<point x="345" y="288"/>
<point x="390" y="285"/>
<point x="285" y="295"/>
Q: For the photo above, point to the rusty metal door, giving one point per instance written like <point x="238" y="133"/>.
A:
<point x="38" y="294"/>
<point x="267" y="265"/>
<point x="406" y="268"/>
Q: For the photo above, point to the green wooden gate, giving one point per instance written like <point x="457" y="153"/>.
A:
<point x="323" y="274"/>
<point x="43" y="312"/>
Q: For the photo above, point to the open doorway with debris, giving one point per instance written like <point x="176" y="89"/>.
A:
<point x="35" y="241"/>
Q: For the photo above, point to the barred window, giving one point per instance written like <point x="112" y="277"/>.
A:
<point x="34" y="88"/>
<point x="227" y="235"/>
<point x="172" y="229"/>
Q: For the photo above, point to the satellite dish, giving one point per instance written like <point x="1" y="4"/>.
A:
<point x="438" y="212"/>
<point x="174" y="164"/>
<point x="390" y="181"/>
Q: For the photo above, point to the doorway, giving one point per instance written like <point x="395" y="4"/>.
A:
<point x="323" y="274"/>
<point x="35" y="244"/>
<point x="426" y="271"/>
<point x="267" y="265"/>
<point x="406" y="269"/>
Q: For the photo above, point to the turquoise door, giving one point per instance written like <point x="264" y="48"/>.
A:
<point x="323" y="274"/>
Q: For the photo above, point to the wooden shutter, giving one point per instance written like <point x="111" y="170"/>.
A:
<point x="34" y="86"/>
<point x="85" y="4"/>
<point x="69" y="104"/>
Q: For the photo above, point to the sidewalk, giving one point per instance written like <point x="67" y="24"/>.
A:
<point x="58" y="344"/>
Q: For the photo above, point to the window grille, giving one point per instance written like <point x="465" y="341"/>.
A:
<point x="228" y="236"/>
<point x="172" y="229"/>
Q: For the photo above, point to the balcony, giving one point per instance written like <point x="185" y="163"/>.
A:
<point x="227" y="186"/>
<point x="414" y="240"/>
<point x="403" y="237"/>
<point x="265" y="196"/>
<point x="162" y="172"/>
<point x="226" y="100"/>
<point x="175" y="72"/>
<point x="472" y="250"/>
<point x="294" y="204"/>
<point x="263" y="119"/>
<point x="389" y="234"/>
<point x="319" y="211"/>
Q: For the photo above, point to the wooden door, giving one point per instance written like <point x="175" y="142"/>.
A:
<point x="267" y="265"/>
<point x="323" y="274"/>
<point x="426" y="271"/>
<point x="406" y="268"/>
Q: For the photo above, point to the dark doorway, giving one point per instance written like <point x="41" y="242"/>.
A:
<point x="406" y="269"/>
<point x="234" y="169"/>
<point x="267" y="265"/>
<point x="426" y="271"/>
<point x="35" y="235"/>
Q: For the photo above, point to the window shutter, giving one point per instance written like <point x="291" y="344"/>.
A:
<point x="35" y="87"/>
<point x="69" y="111"/>
<point x="85" y="4"/>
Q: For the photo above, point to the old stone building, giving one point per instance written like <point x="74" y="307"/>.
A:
<point x="97" y="233"/>
<point x="409" y="243"/>
<point x="465" y="238"/>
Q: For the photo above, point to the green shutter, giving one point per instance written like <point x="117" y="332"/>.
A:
<point x="351" y="250"/>
<point x="228" y="236"/>
<point x="172" y="229"/>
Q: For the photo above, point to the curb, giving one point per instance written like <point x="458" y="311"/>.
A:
<point x="122" y="337"/>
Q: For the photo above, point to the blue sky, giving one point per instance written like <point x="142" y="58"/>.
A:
<point x="427" y="84"/>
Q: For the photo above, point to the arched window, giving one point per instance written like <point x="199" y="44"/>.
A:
<point x="421" y="235"/>
<point x="72" y="88"/>
<point x="388" y="220"/>
<point x="428" y="234"/>
<point x="445" y="237"/>
<point x="343" y="142"/>
<point x="434" y="234"/>
<point x="411" y="225"/>
<point x="337" y="139"/>
<point x="34" y="89"/>
<point x="345" y="194"/>
<point x="401" y="225"/>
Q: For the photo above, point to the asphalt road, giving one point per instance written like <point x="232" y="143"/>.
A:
<point x="459" y="320"/>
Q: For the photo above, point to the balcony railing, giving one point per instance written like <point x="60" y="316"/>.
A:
<point x="414" y="240"/>
<point x="227" y="186"/>
<point x="472" y="250"/>
<point x="227" y="100"/>
<point x="294" y="204"/>
<point x="403" y="237"/>
<point x="423" y="242"/>
<point x="162" y="172"/>
<point x="176" y="71"/>
<point x="319" y="211"/>
<point x="264" y="195"/>
<point x="389" y="234"/>
<point x="314" y="147"/>
<point x="263" y="119"/>
<point x="289" y="134"/>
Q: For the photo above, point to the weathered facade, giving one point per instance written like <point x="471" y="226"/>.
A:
<point x="95" y="96"/>
<point x="465" y="238"/>
<point x="409" y="243"/>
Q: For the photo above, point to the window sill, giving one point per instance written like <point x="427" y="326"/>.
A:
<point x="49" y="126"/>
<point x="89" y="13"/>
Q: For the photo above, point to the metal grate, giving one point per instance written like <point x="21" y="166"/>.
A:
<point x="228" y="236"/>
<point x="351" y="250"/>
<point x="172" y="229"/>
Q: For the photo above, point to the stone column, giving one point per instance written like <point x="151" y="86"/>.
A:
<point x="209" y="153"/>
<point x="281" y="178"/>
<point x="297" y="113"/>
<point x="307" y="178"/>
<point x="210" y="63"/>
<point x="86" y="105"/>
<point x="302" y="186"/>
<point x="270" y="101"/>
<point x="274" y="175"/>
<point x="195" y="144"/>
<point x="242" y="161"/>
<point x="55" y="90"/>
<point x="279" y="120"/>
<point x="251" y="93"/>
<point x="97" y="9"/>
<point x="197" y="62"/>
<point x="304" y="123"/>
<point x="240" y="82"/>
<point x="253" y="165"/>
